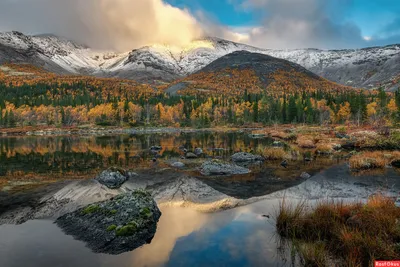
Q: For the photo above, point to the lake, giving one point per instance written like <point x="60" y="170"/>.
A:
<point x="31" y="167"/>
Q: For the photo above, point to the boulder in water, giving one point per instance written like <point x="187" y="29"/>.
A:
<point x="246" y="157"/>
<point x="114" y="226"/>
<point x="113" y="177"/>
<point x="217" y="167"/>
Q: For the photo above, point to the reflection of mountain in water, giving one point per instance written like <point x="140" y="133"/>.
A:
<point x="239" y="236"/>
<point x="172" y="189"/>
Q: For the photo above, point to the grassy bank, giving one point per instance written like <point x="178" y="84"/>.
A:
<point x="342" y="234"/>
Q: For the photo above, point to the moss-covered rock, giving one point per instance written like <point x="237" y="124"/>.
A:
<point x="114" y="226"/>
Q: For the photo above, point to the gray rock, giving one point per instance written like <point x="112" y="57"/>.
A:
<point x="198" y="151"/>
<point x="114" y="226"/>
<point x="178" y="165"/>
<point x="113" y="178"/>
<point x="341" y="136"/>
<point x="156" y="148"/>
<point x="191" y="155"/>
<point x="217" y="167"/>
<point x="305" y="175"/>
<point x="245" y="157"/>
<point x="337" y="146"/>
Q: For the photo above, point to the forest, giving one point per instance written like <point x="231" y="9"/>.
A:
<point x="50" y="100"/>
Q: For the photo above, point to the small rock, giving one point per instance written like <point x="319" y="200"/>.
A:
<point x="245" y="157"/>
<point x="341" y="136"/>
<point x="178" y="165"/>
<point x="305" y="175"/>
<point x="191" y="155"/>
<point x="198" y="151"/>
<point x="217" y="167"/>
<point x="336" y="146"/>
<point x="277" y="144"/>
<point x="284" y="163"/>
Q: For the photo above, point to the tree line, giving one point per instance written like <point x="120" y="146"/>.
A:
<point x="81" y="102"/>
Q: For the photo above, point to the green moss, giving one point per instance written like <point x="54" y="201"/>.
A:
<point x="146" y="212"/>
<point x="111" y="228"/>
<point x="141" y="193"/>
<point x="113" y="212"/>
<point x="91" y="209"/>
<point x="126" y="230"/>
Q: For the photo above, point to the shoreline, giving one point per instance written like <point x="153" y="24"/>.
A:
<point x="82" y="131"/>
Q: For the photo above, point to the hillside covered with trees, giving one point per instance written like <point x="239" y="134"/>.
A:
<point x="30" y="96"/>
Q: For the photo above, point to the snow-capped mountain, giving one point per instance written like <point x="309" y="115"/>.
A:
<point x="366" y="67"/>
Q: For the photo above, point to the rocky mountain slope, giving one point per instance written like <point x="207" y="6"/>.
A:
<point x="368" y="67"/>
<point x="242" y="70"/>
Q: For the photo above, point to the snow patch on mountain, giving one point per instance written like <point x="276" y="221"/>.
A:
<point x="366" y="67"/>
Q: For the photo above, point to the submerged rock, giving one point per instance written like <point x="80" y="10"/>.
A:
<point x="114" y="226"/>
<point x="216" y="167"/>
<point x="245" y="157"/>
<point x="113" y="178"/>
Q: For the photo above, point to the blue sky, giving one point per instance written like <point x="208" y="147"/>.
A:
<point x="379" y="19"/>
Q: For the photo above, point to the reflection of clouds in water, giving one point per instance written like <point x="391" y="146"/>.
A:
<point x="174" y="224"/>
<point x="238" y="237"/>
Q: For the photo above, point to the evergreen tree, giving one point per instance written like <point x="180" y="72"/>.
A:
<point x="292" y="109"/>
<point x="255" y="111"/>
<point x="11" y="119"/>
<point x="284" y="110"/>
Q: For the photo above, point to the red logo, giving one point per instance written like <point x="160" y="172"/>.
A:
<point x="387" y="264"/>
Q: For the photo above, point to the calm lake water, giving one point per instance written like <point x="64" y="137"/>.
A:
<point x="239" y="237"/>
<point x="184" y="237"/>
<point x="80" y="155"/>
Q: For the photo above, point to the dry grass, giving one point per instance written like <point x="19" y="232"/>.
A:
<point x="305" y="143"/>
<point x="324" y="149"/>
<point x="373" y="160"/>
<point x="355" y="233"/>
<point x="278" y="134"/>
<point x="273" y="153"/>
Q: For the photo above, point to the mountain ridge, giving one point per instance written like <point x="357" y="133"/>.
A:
<point x="364" y="68"/>
<point x="255" y="73"/>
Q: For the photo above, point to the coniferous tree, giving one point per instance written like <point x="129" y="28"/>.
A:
<point x="255" y="111"/>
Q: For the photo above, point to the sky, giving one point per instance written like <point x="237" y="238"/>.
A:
<point x="123" y="25"/>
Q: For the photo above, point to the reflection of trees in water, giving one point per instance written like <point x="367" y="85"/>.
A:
<point x="84" y="153"/>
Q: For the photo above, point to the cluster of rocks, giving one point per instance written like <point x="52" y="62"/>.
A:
<point x="114" y="226"/>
